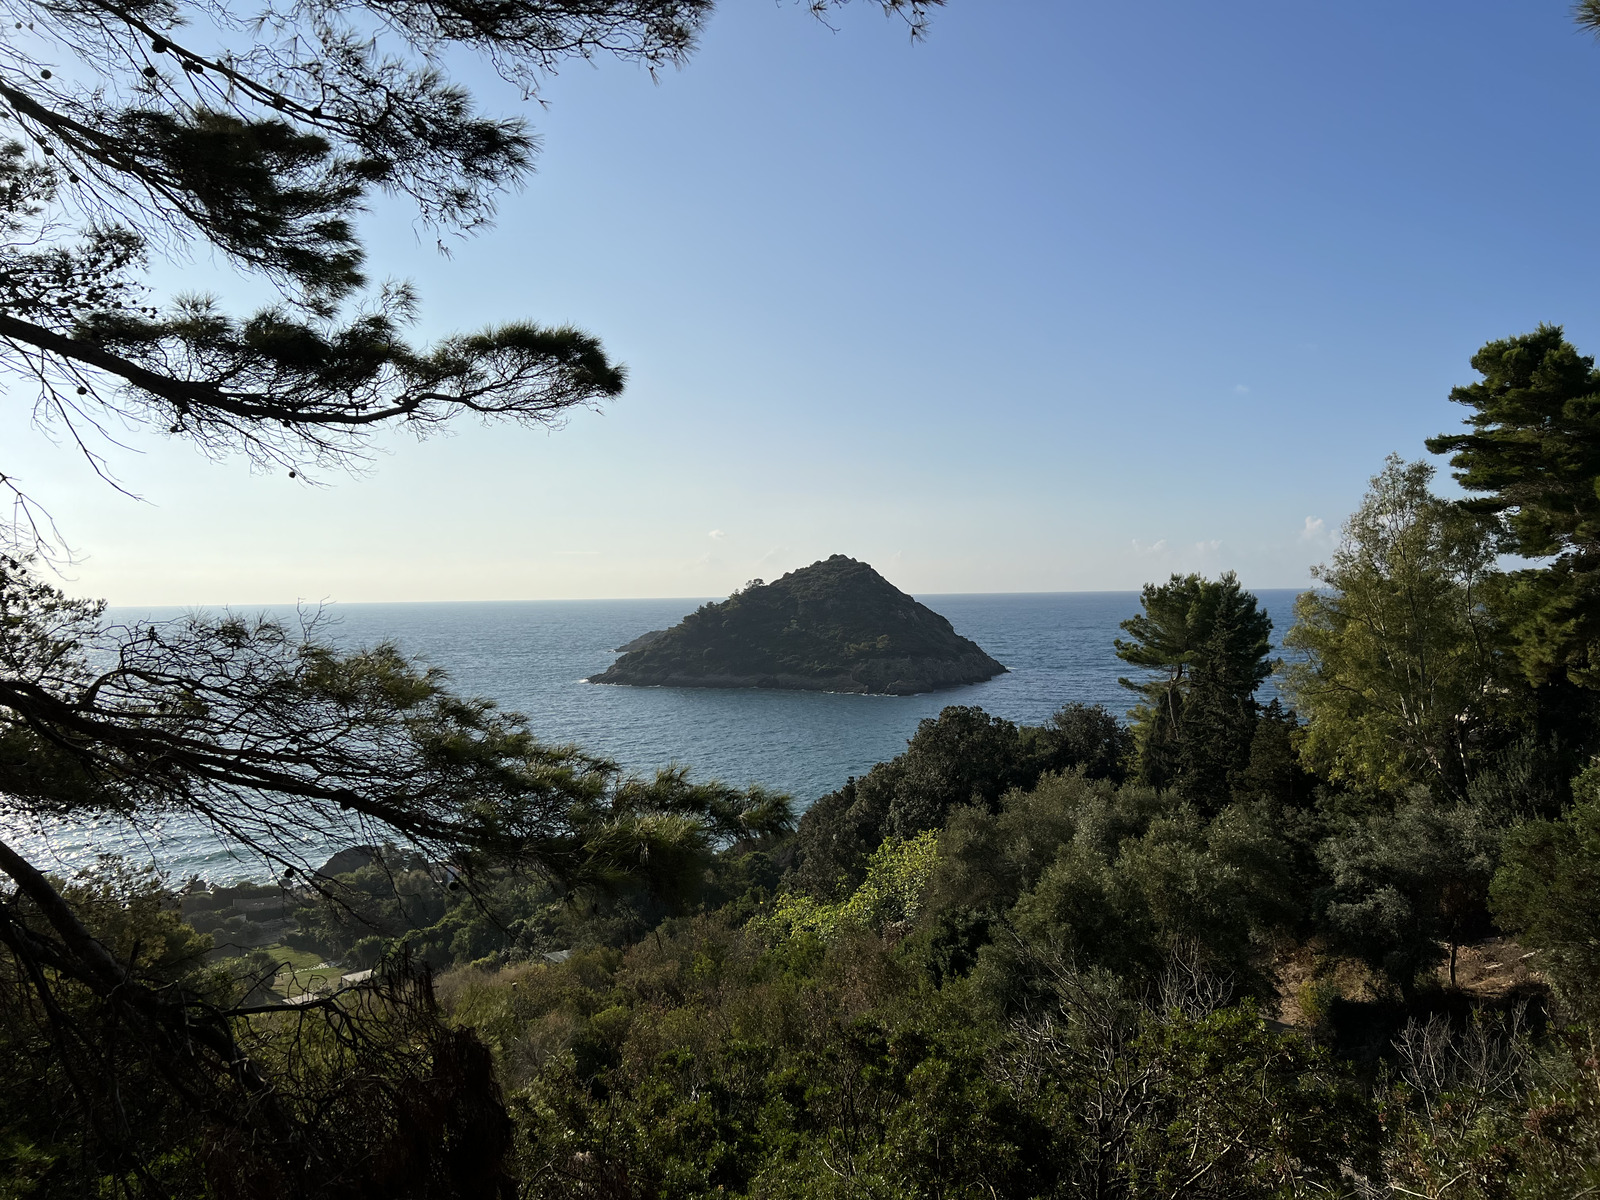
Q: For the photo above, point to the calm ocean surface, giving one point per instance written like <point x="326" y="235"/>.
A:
<point x="533" y="658"/>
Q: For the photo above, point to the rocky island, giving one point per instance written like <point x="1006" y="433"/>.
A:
<point x="835" y="626"/>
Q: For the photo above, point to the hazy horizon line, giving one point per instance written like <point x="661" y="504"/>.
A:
<point x="328" y="603"/>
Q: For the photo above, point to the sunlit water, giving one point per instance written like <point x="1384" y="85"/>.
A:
<point x="533" y="657"/>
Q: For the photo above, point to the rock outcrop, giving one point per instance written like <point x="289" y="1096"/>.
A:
<point x="835" y="626"/>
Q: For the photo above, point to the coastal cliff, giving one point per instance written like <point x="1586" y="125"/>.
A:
<point x="835" y="626"/>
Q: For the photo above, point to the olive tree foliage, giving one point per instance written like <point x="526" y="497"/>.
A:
<point x="1399" y="654"/>
<point x="259" y="132"/>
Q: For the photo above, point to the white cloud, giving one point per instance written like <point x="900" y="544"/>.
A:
<point x="716" y="535"/>
<point x="1241" y="390"/>
<point x="1313" y="529"/>
<point x="1143" y="550"/>
<point x="1208" y="547"/>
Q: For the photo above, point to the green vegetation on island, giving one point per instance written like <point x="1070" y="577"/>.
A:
<point x="835" y="626"/>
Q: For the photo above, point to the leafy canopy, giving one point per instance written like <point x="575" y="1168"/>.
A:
<point x="1401" y="883"/>
<point x="897" y="876"/>
<point x="1399" y="654"/>
<point x="1548" y="893"/>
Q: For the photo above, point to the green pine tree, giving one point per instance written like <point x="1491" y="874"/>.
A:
<point x="1205" y="646"/>
<point x="1533" y="459"/>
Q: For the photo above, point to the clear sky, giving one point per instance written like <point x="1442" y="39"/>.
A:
<point x="1070" y="296"/>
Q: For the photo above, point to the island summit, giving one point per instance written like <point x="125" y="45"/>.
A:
<point x="835" y="626"/>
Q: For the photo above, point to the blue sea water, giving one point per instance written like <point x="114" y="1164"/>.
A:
<point x="534" y="658"/>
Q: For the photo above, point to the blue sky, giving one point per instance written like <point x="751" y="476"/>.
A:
<point x="1069" y="296"/>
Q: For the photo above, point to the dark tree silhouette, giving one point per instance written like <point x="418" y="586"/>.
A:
<point x="1530" y="457"/>
<point x="137" y="130"/>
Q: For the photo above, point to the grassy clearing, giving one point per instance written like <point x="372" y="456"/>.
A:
<point x="302" y="971"/>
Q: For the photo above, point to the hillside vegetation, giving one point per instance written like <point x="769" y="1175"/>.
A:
<point x="835" y="626"/>
<point x="1220" y="950"/>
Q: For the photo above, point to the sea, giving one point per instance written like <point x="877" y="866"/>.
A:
<point x="535" y="657"/>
